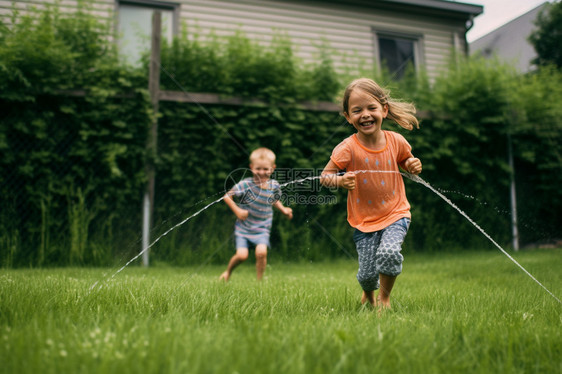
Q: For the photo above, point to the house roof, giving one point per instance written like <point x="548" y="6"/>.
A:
<point x="510" y="41"/>
<point x="442" y="5"/>
<point x="427" y="7"/>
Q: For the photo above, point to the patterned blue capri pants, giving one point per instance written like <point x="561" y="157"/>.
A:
<point x="379" y="252"/>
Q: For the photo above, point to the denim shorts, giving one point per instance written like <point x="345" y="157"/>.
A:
<point x="379" y="252"/>
<point x="245" y="242"/>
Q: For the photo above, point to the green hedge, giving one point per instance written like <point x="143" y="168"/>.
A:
<point x="72" y="167"/>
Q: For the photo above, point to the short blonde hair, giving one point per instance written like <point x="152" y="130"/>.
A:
<point x="264" y="154"/>
<point x="402" y="113"/>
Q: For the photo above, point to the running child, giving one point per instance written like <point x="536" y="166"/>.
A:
<point x="258" y="194"/>
<point x="376" y="202"/>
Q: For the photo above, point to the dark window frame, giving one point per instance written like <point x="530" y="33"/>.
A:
<point x="417" y="46"/>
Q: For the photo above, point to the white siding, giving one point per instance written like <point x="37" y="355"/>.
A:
<point x="345" y="29"/>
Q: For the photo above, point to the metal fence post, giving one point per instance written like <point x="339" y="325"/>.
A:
<point x="151" y="145"/>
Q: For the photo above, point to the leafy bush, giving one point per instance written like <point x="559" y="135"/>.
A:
<point x="72" y="165"/>
<point x="537" y="136"/>
<point x="465" y="151"/>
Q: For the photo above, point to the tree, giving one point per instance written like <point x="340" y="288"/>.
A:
<point x="548" y="37"/>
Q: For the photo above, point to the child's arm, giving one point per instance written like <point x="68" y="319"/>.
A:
<point x="288" y="212"/>
<point x="330" y="177"/>
<point x="412" y="165"/>
<point x="240" y="213"/>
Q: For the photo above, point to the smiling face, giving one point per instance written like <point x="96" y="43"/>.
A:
<point x="262" y="170"/>
<point x="366" y="114"/>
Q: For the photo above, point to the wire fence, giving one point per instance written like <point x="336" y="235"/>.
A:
<point x="73" y="181"/>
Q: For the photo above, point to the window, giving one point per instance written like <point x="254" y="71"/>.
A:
<point x="396" y="53"/>
<point x="135" y="26"/>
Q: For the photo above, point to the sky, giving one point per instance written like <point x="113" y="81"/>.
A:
<point x="497" y="13"/>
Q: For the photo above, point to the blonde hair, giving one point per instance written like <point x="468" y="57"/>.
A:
<point x="398" y="111"/>
<point x="262" y="153"/>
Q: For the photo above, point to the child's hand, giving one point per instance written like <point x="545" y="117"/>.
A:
<point x="242" y="214"/>
<point x="288" y="212"/>
<point x="348" y="181"/>
<point x="413" y="165"/>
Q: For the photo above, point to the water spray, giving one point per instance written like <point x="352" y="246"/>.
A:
<point x="160" y="237"/>
<point x="417" y="179"/>
<point x="412" y="177"/>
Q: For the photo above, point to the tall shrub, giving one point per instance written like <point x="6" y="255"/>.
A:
<point x="200" y="146"/>
<point x="72" y="166"/>
<point x="464" y="151"/>
<point x="54" y="143"/>
<point x="537" y="136"/>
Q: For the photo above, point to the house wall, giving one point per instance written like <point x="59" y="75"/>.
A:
<point x="509" y="43"/>
<point x="347" y="29"/>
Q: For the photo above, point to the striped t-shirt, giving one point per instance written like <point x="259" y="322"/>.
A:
<point x="258" y="202"/>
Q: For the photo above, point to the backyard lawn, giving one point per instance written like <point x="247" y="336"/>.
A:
<point x="459" y="312"/>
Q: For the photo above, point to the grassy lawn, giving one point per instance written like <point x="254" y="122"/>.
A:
<point x="452" y="313"/>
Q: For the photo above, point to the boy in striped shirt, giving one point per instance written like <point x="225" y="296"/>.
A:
<point x="258" y="195"/>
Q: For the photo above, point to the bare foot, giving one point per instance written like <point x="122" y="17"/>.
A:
<point x="368" y="296"/>
<point x="224" y="276"/>
<point x="383" y="304"/>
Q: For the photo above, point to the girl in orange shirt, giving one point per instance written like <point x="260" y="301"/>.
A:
<point x="376" y="203"/>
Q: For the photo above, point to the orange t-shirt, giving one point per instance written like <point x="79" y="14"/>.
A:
<point x="379" y="197"/>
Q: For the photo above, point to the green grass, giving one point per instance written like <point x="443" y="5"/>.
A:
<point x="452" y="313"/>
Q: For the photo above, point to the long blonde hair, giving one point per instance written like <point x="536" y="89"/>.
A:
<point x="402" y="113"/>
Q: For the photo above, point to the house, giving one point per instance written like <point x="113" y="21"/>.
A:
<point x="389" y="33"/>
<point x="510" y="42"/>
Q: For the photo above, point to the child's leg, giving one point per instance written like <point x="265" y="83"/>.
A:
<point x="261" y="260"/>
<point x="387" y="282"/>
<point x="389" y="259"/>
<point x="240" y="256"/>
<point x="368" y="296"/>
<point x="367" y="275"/>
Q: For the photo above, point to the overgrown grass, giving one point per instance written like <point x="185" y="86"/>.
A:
<point x="454" y="313"/>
